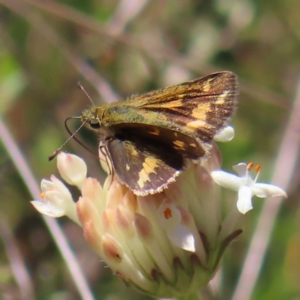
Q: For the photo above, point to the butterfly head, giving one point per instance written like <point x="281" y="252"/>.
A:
<point x="91" y="118"/>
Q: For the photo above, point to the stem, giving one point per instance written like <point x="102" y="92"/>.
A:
<point x="194" y="296"/>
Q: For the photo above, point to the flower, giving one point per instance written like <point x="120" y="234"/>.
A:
<point x="166" y="245"/>
<point x="246" y="186"/>
<point x="225" y="135"/>
<point x="72" y="168"/>
<point x="56" y="200"/>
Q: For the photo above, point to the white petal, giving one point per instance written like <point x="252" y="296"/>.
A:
<point x="104" y="161"/>
<point x="173" y="218"/>
<point x="47" y="185"/>
<point x="227" y="180"/>
<point x="240" y="169"/>
<point x="244" y="203"/>
<point x="225" y="135"/>
<point x="56" y="199"/>
<point x="170" y="220"/>
<point x="48" y="210"/>
<point x="263" y="190"/>
<point x="182" y="237"/>
<point x="59" y="186"/>
<point x="71" y="168"/>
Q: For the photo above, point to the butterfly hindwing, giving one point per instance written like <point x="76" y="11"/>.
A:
<point x="144" y="168"/>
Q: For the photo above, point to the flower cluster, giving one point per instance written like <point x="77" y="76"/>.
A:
<point x="168" y="244"/>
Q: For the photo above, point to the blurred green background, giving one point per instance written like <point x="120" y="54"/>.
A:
<point x="119" y="48"/>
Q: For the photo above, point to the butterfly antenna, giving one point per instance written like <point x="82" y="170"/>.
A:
<point x="72" y="136"/>
<point x="86" y="93"/>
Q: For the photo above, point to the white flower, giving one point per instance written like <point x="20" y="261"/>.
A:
<point x="168" y="244"/>
<point x="56" y="200"/>
<point x="72" y="168"/>
<point x="153" y="242"/>
<point x="171" y="219"/>
<point x="246" y="186"/>
<point x="225" y="135"/>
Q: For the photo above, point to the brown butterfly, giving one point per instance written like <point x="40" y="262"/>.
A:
<point x="148" y="139"/>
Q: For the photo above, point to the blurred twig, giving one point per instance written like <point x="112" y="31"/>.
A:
<point x="283" y="172"/>
<point x="61" y="242"/>
<point x="126" y="11"/>
<point x="17" y="263"/>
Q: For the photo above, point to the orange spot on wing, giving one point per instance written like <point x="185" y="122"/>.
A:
<point x="179" y="144"/>
<point x="200" y="112"/>
<point x="154" y="131"/>
<point x="196" y="124"/>
<point x="149" y="166"/>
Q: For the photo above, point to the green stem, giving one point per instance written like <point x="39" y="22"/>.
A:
<point x="194" y="296"/>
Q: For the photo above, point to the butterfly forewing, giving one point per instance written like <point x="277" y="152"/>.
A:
<point x="201" y="106"/>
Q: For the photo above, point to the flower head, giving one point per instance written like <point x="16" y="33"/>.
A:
<point x="168" y="244"/>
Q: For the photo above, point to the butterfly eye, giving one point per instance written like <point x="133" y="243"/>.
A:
<point x="95" y="124"/>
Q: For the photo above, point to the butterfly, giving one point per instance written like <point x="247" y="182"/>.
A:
<point x="150" y="138"/>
